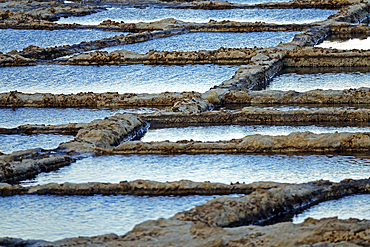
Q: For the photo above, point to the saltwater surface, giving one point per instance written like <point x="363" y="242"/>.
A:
<point x="11" y="143"/>
<point x="228" y="132"/>
<point x="136" y="78"/>
<point x="134" y="15"/>
<point x="355" y="206"/>
<point x="208" y="41"/>
<point x="332" y="78"/>
<point x="17" y="39"/>
<point x="224" y="168"/>
<point x="346" y="44"/>
<point x="57" y="217"/>
<point x="13" y="117"/>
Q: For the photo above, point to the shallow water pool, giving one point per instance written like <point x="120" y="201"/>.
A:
<point x="224" y="168"/>
<point x="134" y="15"/>
<point x="57" y="217"/>
<point x="13" y="117"/>
<point x="334" y="42"/>
<point x="208" y="41"/>
<point x="355" y="206"/>
<point x="301" y="80"/>
<point x="11" y="143"/>
<point x="17" y="39"/>
<point x="136" y="78"/>
<point x="228" y="132"/>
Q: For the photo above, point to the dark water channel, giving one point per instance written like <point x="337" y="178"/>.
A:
<point x="16" y="39"/>
<point x="57" y="217"/>
<point x="338" y="78"/>
<point x="209" y="41"/>
<point x="114" y="78"/>
<point x="134" y="15"/>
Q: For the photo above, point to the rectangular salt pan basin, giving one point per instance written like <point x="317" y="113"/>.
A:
<point x="228" y="132"/>
<point x="11" y="143"/>
<point x="56" y="217"/>
<point x="11" y="118"/>
<point x="134" y="15"/>
<point x="122" y="79"/>
<point x="15" y="39"/>
<point x="331" y="78"/>
<point x="335" y="42"/>
<point x="224" y="168"/>
<point x="208" y="41"/>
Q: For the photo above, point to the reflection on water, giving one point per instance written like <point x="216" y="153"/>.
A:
<point x="228" y="132"/>
<point x="223" y="168"/>
<point x="345" y="43"/>
<point x="355" y="206"/>
<point x="331" y="78"/>
<point x="17" y="39"/>
<point x="134" y="15"/>
<point x="11" y="143"/>
<point x="114" y="78"/>
<point x="56" y="217"/>
<point x="208" y="41"/>
<point x="11" y="118"/>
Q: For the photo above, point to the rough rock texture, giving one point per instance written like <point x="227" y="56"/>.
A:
<point x="192" y="106"/>
<point x="320" y="57"/>
<point x="21" y="165"/>
<point x="137" y="187"/>
<point x="294" y="142"/>
<point x="66" y="129"/>
<point x="105" y="133"/>
<point x="262" y="115"/>
<point x="317" y="96"/>
<point x="330" y="232"/>
<point x="90" y="99"/>
<point x="15" y="60"/>
<point x="219" y="56"/>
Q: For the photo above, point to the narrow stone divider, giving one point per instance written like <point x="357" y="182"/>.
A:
<point x="297" y="142"/>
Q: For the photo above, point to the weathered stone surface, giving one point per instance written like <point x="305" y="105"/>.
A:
<point x="317" y="96"/>
<point x="90" y="99"/>
<point x="15" y="60"/>
<point x="219" y="56"/>
<point x="320" y="57"/>
<point x="21" y="165"/>
<point x="137" y="187"/>
<point x="192" y="106"/>
<point x="104" y="133"/>
<point x="261" y="115"/>
<point x="294" y="142"/>
<point x="67" y="129"/>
